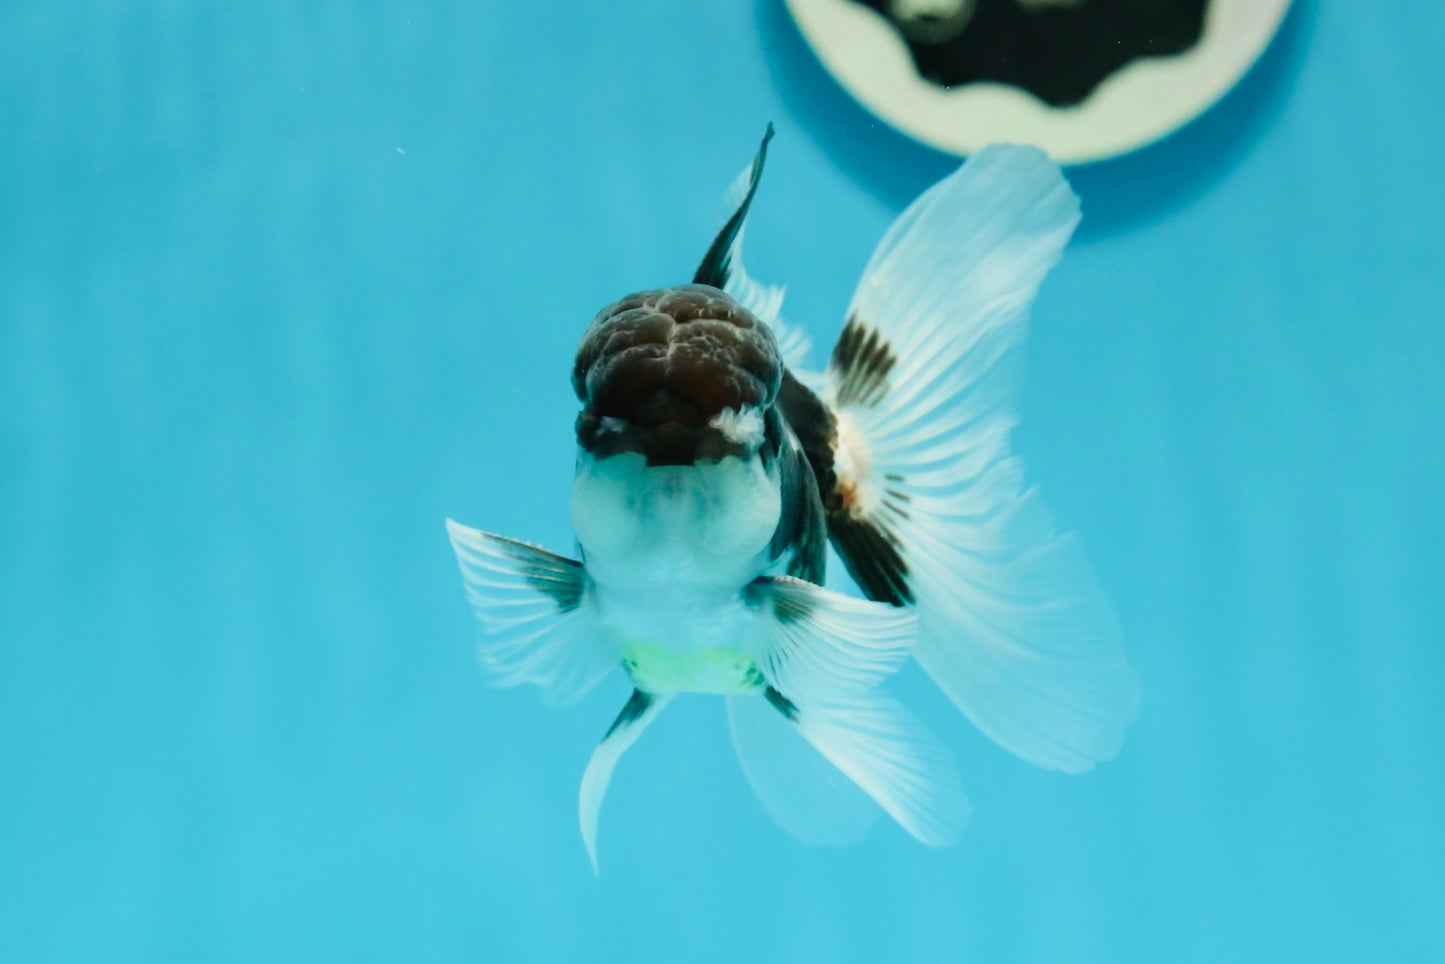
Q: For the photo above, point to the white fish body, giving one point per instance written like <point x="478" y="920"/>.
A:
<point x="670" y="551"/>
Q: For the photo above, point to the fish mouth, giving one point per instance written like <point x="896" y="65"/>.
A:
<point x="658" y="371"/>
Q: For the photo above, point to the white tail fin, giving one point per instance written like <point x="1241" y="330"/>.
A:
<point x="532" y="607"/>
<point x="934" y="509"/>
<point x="825" y="659"/>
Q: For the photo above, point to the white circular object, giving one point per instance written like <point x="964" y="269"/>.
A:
<point x="1136" y="105"/>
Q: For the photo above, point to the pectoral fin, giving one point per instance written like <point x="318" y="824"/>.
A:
<point x="822" y="643"/>
<point x="531" y="605"/>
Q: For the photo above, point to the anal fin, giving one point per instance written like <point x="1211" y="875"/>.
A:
<point x="637" y="714"/>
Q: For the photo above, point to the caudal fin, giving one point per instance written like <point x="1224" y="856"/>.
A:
<point x="931" y="506"/>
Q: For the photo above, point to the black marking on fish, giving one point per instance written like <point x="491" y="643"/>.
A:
<point x="558" y="577"/>
<point x="788" y="607"/>
<point x="781" y="703"/>
<point x="895" y="500"/>
<point x="655" y="369"/>
<point x="862" y="361"/>
<point x="636" y="705"/>
<point x="814" y="427"/>
<point x="1060" y="54"/>
<point x="717" y="263"/>
<point x="872" y="554"/>
<point x="802" y="528"/>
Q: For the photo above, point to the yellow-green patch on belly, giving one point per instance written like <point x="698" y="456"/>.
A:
<point x="657" y="670"/>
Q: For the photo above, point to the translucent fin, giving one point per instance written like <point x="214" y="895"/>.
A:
<point x="804" y="793"/>
<point x="531" y="605"/>
<point x="825" y="657"/>
<point x="931" y="506"/>
<point x="765" y="301"/>
<point x="823" y="643"/>
<point x="891" y="757"/>
<point x="641" y="709"/>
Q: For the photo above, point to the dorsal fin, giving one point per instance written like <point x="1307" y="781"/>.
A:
<point x="718" y="261"/>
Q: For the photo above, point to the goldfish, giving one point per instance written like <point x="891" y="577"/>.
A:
<point x="714" y="470"/>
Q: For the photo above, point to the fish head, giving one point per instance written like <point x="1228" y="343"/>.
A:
<point x="681" y="376"/>
<point x="677" y="476"/>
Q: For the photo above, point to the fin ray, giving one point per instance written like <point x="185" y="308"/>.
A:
<point x="804" y="793"/>
<point x="889" y="755"/>
<point x="529" y="604"/>
<point x="924" y="387"/>
<point x="823" y="643"/>
<point x="825" y="657"/>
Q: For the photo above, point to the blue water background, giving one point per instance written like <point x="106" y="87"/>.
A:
<point x="282" y="285"/>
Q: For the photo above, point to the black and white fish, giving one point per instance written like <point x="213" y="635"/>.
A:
<point x="711" y="478"/>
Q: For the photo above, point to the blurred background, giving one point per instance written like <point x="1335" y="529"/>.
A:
<point x="283" y="285"/>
